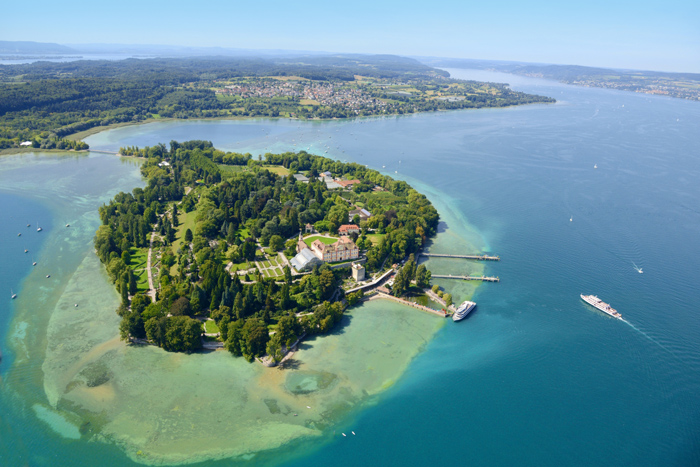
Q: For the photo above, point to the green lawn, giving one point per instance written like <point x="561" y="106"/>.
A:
<point x="240" y="266"/>
<point x="186" y="220"/>
<point x="211" y="327"/>
<point x="376" y="238"/>
<point x="139" y="260"/>
<point x="326" y="240"/>
<point x="243" y="233"/>
<point x="277" y="169"/>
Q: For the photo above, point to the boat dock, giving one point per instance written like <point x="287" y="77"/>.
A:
<point x="476" y="257"/>
<point x="380" y="295"/>
<point x="467" y="278"/>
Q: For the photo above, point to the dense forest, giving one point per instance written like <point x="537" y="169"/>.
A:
<point x="43" y="102"/>
<point x="206" y="210"/>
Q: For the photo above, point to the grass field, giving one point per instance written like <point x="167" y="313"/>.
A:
<point x="211" y="327"/>
<point x="231" y="169"/>
<point x="326" y="240"/>
<point x="139" y="260"/>
<point x="186" y="220"/>
<point x="376" y="238"/>
<point x="243" y="233"/>
<point x="308" y="102"/>
<point x="241" y="266"/>
<point x="277" y="169"/>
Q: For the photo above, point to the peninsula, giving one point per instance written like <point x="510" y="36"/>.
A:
<point x="44" y="105"/>
<point x="255" y="254"/>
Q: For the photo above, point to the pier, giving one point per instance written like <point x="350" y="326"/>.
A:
<point x="467" y="278"/>
<point x="477" y="257"/>
<point x="380" y="295"/>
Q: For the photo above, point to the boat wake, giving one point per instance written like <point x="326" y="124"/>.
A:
<point x="638" y="269"/>
<point x="651" y="339"/>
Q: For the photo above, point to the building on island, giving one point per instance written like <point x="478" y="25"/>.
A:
<point x="305" y="260"/>
<point x="363" y="213"/>
<point x="347" y="229"/>
<point x="358" y="272"/>
<point x="347" y="183"/>
<point x="342" y="250"/>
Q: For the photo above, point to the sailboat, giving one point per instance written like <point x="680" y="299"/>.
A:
<point x="571" y="219"/>
<point x="595" y="166"/>
<point x="12" y="294"/>
<point x="38" y="229"/>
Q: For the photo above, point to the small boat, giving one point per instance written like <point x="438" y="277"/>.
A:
<point x="19" y="234"/>
<point x="595" y="166"/>
<point x="638" y="269"/>
<point x="571" y="219"/>
<point x="29" y="225"/>
<point x="38" y="229"/>
<point x="353" y="433"/>
<point x="12" y="294"/>
<point x="67" y="225"/>
<point x="48" y="275"/>
<point x="34" y="263"/>
<point x="26" y="251"/>
<point x="76" y="305"/>
<point x="344" y="434"/>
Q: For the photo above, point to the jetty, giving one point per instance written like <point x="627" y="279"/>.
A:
<point x="100" y="151"/>
<point x="381" y="295"/>
<point x="467" y="278"/>
<point x="476" y="257"/>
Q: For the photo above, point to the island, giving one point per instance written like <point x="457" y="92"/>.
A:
<point x="222" y="250"/>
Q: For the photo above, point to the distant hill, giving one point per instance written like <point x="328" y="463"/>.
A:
<point x="28" y="47"/>
<point x="680" y="85"/>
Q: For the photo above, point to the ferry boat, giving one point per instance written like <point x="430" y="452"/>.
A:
<point x="464" y="309"/>
<point x="595" y="302"/>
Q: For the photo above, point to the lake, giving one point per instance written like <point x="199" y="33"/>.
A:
<point x="534" y="376"/>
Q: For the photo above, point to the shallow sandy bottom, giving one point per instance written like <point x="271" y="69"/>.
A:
<point x="175" y="408"/>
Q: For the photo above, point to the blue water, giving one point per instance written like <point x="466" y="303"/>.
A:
<point x="534" y="376"/>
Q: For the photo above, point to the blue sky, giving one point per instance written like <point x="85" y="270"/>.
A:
<point x="652" y="35"/>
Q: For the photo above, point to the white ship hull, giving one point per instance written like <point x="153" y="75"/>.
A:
<point x="600" y="305"/>
<point x="464" y="309"/>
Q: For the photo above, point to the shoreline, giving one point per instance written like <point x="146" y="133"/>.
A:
<point x="81" y="401"/>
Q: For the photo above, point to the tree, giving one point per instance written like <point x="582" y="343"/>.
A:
<point x="132" y="326"/>
<point x="448" y="299"/>
<point x="182" y="334"/>
<point x="188" y="236"/>
<point x="181" y="307"/>
<point x="436" y="288"/>
<point x="276" y="243"/>
<point x="133" y="287"/>
<point x="288" y="329"/>
<point x="274" y="348"/>
<point x="423" y="277"/>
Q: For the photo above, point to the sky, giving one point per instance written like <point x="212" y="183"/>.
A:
<point x="650" y="35"/>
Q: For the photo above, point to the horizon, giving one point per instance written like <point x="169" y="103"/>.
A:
<point x="646" y="36"/>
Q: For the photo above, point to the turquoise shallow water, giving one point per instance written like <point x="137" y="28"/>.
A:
<point x="533" y="376"/>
